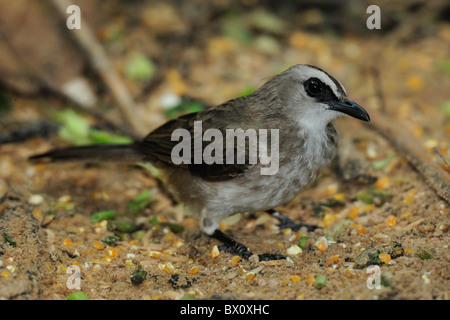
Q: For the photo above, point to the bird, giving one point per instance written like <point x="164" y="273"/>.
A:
<point x="298" y="105"/>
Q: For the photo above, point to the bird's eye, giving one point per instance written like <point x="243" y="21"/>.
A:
<point x="313" y="87"/>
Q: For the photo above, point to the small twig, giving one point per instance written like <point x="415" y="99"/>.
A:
<point x="412" y="151"/>
<point x="99" y="60"/>
<point x="378" y="87"/>
<point x="440" y="155"/>
<point x="46" y="84"/>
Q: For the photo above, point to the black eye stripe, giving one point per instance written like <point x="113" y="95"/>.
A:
<point x="338" y="85"/>
<point x="315" y="88"/>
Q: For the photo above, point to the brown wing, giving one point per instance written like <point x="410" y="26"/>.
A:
<point x="158" y="143"/>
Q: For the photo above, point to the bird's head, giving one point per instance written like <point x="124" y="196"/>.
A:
<point x="314" y="97"/>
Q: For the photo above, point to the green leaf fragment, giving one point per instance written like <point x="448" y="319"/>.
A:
<point x="75" y="128"/>
<point x="176" y="228"/>
<point x="110" y="240"/>
<point x="424" y="255"/>
<point x="103" y="215"/>
<point x="445" y="106"/>
<point x="139" y="67"/>
<point x="185" y="107"/>
<point x="371" y="195"/>
<point x="138" y="276"/>
<point x="141" y="201"/>
<point x="381" y="164"/>
<point x="302" y="242"/>
<point x="320" y="281"/>
<point x="78" y="295"/>
<point x="188" y="297"/>
<point x="103" y="137"/>
<point x="153" y="221"/>
<point x="125" y="226"/>
<point x="9" y="240"/>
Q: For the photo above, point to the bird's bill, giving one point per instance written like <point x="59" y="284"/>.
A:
<point x="350" y="108"/>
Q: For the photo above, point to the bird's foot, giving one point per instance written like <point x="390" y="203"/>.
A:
<point x="232" y="246"/>
<point x="286" y="222"/>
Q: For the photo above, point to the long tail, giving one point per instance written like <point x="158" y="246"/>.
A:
<point x="97" y="153"/>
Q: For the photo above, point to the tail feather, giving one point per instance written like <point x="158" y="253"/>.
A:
<point x="98" y="153"/>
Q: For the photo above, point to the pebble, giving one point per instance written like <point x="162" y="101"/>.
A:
<point x="36" y="199"/>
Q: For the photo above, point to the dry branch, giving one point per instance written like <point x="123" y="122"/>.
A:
<point x="413" y="152"/>
<point x="99" y="60"/>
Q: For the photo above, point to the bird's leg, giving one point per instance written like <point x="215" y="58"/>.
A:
<point x="232" y="246"/>
<point x="286" y="222"/>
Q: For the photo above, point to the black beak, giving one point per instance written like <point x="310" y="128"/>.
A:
<point x="350" y="108"/>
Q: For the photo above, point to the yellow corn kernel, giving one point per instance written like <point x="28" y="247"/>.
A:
<point x="235" y="259"/>
<point x="360" y="229"/>
<point x="215" y="252"/>
<point x="406" y="214"/>
<point x="382" y="183"/>
<point x="112" y="252"/>
<point x="414" y="82"/>
<point x="407" y="200"/>
<point x="350" y="272"/>
<point x="329" y="219"/>
<point x="168" y="252"/>
<point x="384" y="257"/>
<point x="321" y="244"/>
<point x="129" y="263"/>
<point x="97" y="268"/>
<point x="133" y="242"/>
<point x="293" y="250"/>
<point x="169" y="268"/>
<point x="68" y="243"/>
<point x="353" y="214"/>
<point x="339" y="196"/>
<point x="333" y="260"/>
<point x="295" y="278"/>
<point x="390" y="221"/>
<point x="417" y="131"/>
<point x="194" y="270"/>
<point x="169" y="237"/>
<point x="99" y="245"/>
<point x="250" y="275"/>
<point x="332" y="189"/>
<point x="311" y="280"/>
<point x="177" y="243"/>
<point x="36" y="213"/>
<point x="155" y="254"/>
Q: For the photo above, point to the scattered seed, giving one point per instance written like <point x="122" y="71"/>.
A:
<point x="138" y="276"/>
<point x="215" y="252"/>
<point x="295" y="278"/>
<point x="384" y="258"/>
<point x="293" y="250"/>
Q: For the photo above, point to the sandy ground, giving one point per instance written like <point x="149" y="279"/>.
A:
<point x="46" y="229"/>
